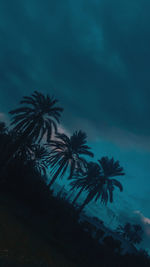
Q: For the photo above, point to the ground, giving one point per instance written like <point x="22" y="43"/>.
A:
<point x="20" y="242"/>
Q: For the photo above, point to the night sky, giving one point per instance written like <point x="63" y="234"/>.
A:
<point x="94" y="56"/>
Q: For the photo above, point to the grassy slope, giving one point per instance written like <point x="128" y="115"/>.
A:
<point x="23" y="242"/>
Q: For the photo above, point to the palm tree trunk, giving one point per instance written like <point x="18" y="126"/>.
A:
<point x="56" y="174"/>
<point x="53" y="179"/>
<point x="77" y="196"/>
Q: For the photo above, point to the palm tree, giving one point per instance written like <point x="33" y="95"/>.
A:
<point x="83" y="180"/>
<point x="104" y="186"/>
<point x="66" y="152"/>
<point x="93" y="192"/>
<point x="125" y="230"/>
<point x="39" y="158"/>
<point x="25" y="150"/>
<point x="111" y="168"/>
<point x="29" y="153"/>
<point x="137" y="234"/>
<point x="38" y="117"/>
<point x="132" y="233"/>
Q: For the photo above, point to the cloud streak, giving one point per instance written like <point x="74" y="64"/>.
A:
<point x="95" y="54"/>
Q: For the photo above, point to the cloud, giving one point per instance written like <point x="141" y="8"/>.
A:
<point x="95" y="55"/>
<point x="2" y="116"/>
<point x="121" y="137"/>
<point x="127" y="140"/>
<point x="145" y="221"/>
<point x="62" y="129"/>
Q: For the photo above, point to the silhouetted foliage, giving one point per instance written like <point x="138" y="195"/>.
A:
<point x="103" y="186"/>
<point x="66" y="152"/>
<point x="83" y="180"/>
<point x="133" y="233"/>
<point x="26" y="179"/>
<point x="37" y="118"/>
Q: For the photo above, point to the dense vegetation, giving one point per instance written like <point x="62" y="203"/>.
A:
<point x="31" y="150"/>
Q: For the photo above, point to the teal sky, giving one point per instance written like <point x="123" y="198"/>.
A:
<point x="94" y="57"/>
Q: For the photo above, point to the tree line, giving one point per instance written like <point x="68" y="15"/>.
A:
<point x="37" y="120"/>
<point x="32" y="147"/>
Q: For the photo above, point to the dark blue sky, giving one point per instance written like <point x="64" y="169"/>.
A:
<point x="93" y="55"/>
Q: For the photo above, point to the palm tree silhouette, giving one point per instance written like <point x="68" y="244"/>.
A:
<point x="132" y="233"/>
<point x="24" y="151"/>
<point x="103" y="187"/>
<point x="39" y="158"/>
<point x="110" y="168"/>
<point x="66" y="152"/>
<point x="37" y="118"/>
<point x="83" y="180"/>
<point x="125" y="230"/>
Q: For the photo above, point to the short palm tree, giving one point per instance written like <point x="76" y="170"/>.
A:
<point x="83" y="180"/>
<point x="24" y="151"/>
<point x="132" y="233"/>
<point x="31" y="154"/>
<point x="67" y="153"/>
<point x="104" y="186"/>
<point x="39" y="158"/>
<point x="38" y="117"/>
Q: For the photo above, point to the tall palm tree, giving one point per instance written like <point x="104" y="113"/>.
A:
<point x="111" y="168"/>
<point x="83" y="180"/>
<point x="104" y="186"/>
<point x="67" y="153"/>
<point x="132" y="233"/>
<point x="38" y="117"/>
